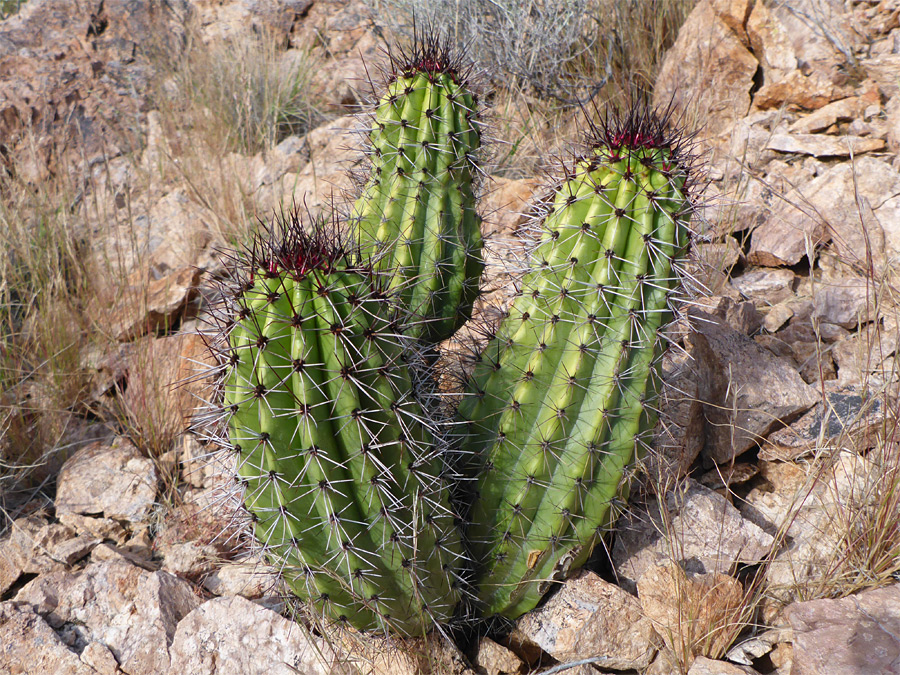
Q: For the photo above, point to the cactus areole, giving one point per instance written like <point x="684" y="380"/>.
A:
<point x="561" y="400"/>
<point x="340" y="468"/>
<point x="416" y="218"/>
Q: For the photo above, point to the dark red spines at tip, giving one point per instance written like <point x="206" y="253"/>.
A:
<point x="288" y="246"/>
<point x="431" y="54"/>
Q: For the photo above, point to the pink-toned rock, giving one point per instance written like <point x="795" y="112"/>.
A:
<point x="589" y="616"/>
<point x="708" y="69"/>
<point x="705" y="666"/>
<point x="145" y="306"/>
<point x="858" y="635"/>
<point x="233" y="636"/>
<point x="840" y="111"/>
<point x="98" y="657"/>
<point x="113" y="480"/>
<point x="696" y="615"/>
<point x="845" y="302"/>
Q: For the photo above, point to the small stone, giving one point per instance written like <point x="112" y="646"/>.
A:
<point x="32" y="646"/>
<point x="758" y="646"/>
<point x="145" y="307"/>
<point x="819" y="120"/>
<point x="768" y="285"/>
<point x="100" y="528"/>
<point x="819" y="145"/>
<point x="729" y="475"/>
<point x="248" y="579"/>
<point x="705" y="666"/>
<point x="113" y="480"/>
<point x="496" y="659"/>
<point x="73" y="550"/>
<point x="857" y="635"/>
<point x="777" y="316"/>
<point x="696" y="615"/>
<point x="587" y="617"/>
<point x="188" y="559"/>
<point x="98" y="657"/>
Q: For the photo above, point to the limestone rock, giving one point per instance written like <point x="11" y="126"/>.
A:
<point x="767" y="285"/>
<point x="857" y="635"/>
<point x="590" y="617"/>
<point x="113" y="480"/>
<point x="233" y="636"/>
<point x="705" y="666"/>
<point x="706" y="532"/>
<point x="247" y="579"/>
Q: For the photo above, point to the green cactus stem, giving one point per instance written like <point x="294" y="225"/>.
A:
<point x="416" y="216"/>
<point x="561" y="399"/>
<point x="341" y="469"/>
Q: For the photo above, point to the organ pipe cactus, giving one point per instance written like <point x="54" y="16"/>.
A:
<point x="561" y="399"/>
<point x="340" y="466"/>
<point x="416" y="216"/>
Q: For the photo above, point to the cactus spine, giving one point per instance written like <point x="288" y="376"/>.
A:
<point x="416" y="216"/>
<point x="341" y="470"/>
<point x="562" y="395"/>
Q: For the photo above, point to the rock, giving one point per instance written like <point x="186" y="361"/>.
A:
<point x="131" y="611"/>
<point x="866" y="359"/>
<point x="695" y="614"/>
<point x="806" y="506"/>
<point x="758" y="646"/>
<point x="857" y="635"/>
<point x="883" y="70"/>
<point x="72" y="550"/>
<point x="188" y="559"/>
<point x="32" y="646"/>
<point x="496" y="659"/>
<point x="819" y="145"/>
<point x="763" y="391"/>
<point x="840" y="111"/>
<point x="720" y="256"/>
<point x="719" y="478"/>
<point x="846" y="413"/>
<point x="705" y="666"/>
<point x="100" y="528"/>
<point x="113" y="480"/>
<point x="98" y="657"/>
<point x="767" y="285"/>
<point x="590" y="617"/>
<point x="233" y="636"/>
<point x="708" y="67"/>
<point x="248" y="579"/>
<point x="202" y="466"/>
<point x="707" y="532"/>
<point x="777" y="316"/>
<point x="825" y="205"/>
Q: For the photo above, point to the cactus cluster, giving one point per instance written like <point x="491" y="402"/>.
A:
<point x="327" y="400"/>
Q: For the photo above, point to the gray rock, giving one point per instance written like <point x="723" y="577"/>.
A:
<point x="707" y="533"/>
<point x="858" y="635"/>
<point x="113" y="480"/>
<point x="758" y="393"/>
<point x="846" y="303"/>
<point x="233" y="636"/>
<point x="590" y="617"/>
<point x="32" y="646"/>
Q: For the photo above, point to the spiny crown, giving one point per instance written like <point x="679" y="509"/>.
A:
<point x="288" y="246"/>
<point x="430" y="53"/>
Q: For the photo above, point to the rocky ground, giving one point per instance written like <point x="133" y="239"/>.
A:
<point x="773" y="488"/>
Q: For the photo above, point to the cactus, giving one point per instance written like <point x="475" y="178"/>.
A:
<point x="562" y="396"/>
<point x="341" y="469"/>
<point x="416" y="216"/>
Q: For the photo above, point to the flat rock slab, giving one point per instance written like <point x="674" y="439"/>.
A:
<point x="115" y="480"/>
<point x="233" y="636"/>
<point x="590" y="617"/>
<point x="857" y="635"/>
<point x="820" y="145"/>
<point x="708" y="533"/>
